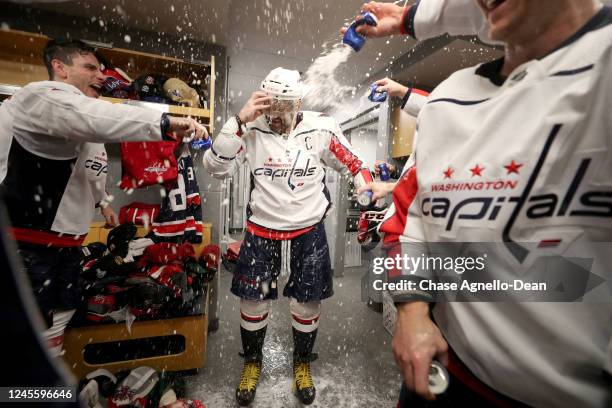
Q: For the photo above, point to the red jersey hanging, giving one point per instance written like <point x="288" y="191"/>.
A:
<point x="147" y="163"/>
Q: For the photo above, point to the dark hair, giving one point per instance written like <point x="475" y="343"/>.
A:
<point x="64" y="50"/>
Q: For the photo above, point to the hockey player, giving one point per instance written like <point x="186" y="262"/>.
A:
<point x="53" y="164"/>
<point x="540" y="119"/>
<point x="286" y="150"/>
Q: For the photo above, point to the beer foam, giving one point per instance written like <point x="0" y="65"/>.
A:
<point x="323" y="91"/>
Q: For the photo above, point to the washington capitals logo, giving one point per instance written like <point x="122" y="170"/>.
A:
<point x="496" y="194"/>
<point x="157" y="168"/>
<point x="284" y="169"/>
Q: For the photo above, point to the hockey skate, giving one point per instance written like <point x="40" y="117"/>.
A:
<point x="302" y="380"/>
<point x="245" y="392"/>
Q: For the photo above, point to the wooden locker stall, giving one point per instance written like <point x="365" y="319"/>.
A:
<point x="185" y="337"/>
<point x="404" y="126"/>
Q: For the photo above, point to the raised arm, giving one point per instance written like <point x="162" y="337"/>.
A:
<point x="227" y="152"/>
<point x="60" y="110"/>
<point x="341" y="156"/>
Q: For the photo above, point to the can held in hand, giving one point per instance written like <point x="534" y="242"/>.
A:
<point x="365" y="199"/>
<point x="438" y="378"/>
<point x="202" y="144"/>
<point x="352" y="38"/>
<point x="384" y="172"/>
<point x="375" y="95"/>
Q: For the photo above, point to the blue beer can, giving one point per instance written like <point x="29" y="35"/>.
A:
<point x="202" y="144"/>
<point x="352" y="38"/>
<point x="384" y="172"/>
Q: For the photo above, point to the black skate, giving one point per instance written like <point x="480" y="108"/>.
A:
<point x="302" y="380"/>
<point x="245" y="392"/>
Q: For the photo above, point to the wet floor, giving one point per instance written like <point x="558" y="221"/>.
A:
<point x="355" y="366"/>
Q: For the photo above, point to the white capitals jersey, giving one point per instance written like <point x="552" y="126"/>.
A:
<point x="288" y="173"/>
<point x="525" y="160"/>
<point x="432" y="18"/>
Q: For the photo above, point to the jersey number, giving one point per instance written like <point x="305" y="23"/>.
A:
<point x="177" y="196"/>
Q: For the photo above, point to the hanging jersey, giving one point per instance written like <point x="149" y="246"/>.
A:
<point x="147" y="163"/>
<point x="180" y="215"/>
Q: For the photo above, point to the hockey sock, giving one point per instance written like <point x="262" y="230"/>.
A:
<point x="303" y="343"/>
<point x="253" y="325"/>
<point x="305" y="324"/>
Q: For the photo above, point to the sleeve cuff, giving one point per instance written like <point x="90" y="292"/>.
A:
<point x="407" y="26"/>
<point x="164" y="125"/>
<point x="406" y="97"/>
<point x="403" y="296"/>
<point x="415" y="296"/>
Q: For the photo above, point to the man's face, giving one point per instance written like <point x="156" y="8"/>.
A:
<point x="282" y="114"/>
<point x="84" y="73"/>
<point x="518" y="21"/>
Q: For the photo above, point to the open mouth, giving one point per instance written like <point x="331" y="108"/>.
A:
<point x="491" y="5"/>
<point x="96" y="87"/>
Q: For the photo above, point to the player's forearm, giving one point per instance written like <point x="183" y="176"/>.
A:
<point x="229" y="142"/>
<point x="414" y="100"/>
<point x="60" y="113"/>
<point x="433" y="18"/>
<point x="217" y="166"/>
<point x="408" y="271"/>
<point x="220" y="160"/>
<point x="413" y="310"/>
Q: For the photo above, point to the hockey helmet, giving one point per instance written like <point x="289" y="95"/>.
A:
<point x="283" y="84"/>
<point x="286" y="90"/>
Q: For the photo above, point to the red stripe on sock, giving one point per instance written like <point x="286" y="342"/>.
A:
<point x="253" y="319"/>
<point x="305" y="321"/>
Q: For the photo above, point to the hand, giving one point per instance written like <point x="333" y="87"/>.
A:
<point x="186" y="128"/>
<point x="417" y="340"/>
<point x="389" y="20"/>
<point x="109" y="216"/>
<point x="255" y="107"/>
<point x="379" y="188"/>
<point x="391" y="87"/>
<point x="390" y="166"/>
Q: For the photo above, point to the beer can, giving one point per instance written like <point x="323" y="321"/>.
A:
<point x="384" y="172"/>
<point x="202" y="144"/>
<point x="438" y="378"/>
<point x="365" y="199"/>
<point x="352" y="38"/>
<point x="376" y="96"/>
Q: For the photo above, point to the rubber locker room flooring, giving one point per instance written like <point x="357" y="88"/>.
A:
<point x="355" y="367"/>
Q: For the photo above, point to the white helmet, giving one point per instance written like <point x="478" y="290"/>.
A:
<point x="283" y="83"/>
